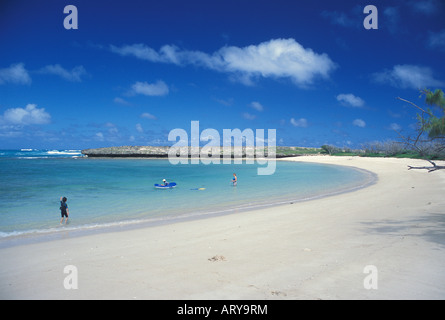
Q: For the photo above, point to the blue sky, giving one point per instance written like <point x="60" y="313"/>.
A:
<point x="134" y="70"/>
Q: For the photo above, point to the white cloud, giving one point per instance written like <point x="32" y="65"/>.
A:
<point x="351" y="100"/>
<point x="225" y="102"/>
<point x="359" y="123"/>
<point x="437" y="40"/>
<point x="121" y="101"/>
<point x="351" y="19"/>
<point x="167" y="54"/>
<point x="249" y="116"/>
<point x="99" y="136"/>
<point x="277" y="58"/>
<point x="139" y="128"/>
<point x="257" y="106"/>
<point x="112" y="129"/>
<point x="301" y="123"/>
<point x="16" y="74"/>
<point x="340" y="18"/>
<point x="395" y="127"/>
<point x="147" y="115"/>
<point x="75" y="75"/>
<point x="138" y="50"/>
<point x="427" y="7"/>
<point x="155" y="89"/>
<point x="408" y="77"/>
<point x="25" y="116"/>
<point x="391" y="19"/>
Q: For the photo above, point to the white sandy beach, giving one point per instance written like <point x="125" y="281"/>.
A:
<point x="308" y="250"/>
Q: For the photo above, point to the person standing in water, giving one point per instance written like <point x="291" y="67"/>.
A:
<point x="234" y="180"/>
<point x="64" y="210"/>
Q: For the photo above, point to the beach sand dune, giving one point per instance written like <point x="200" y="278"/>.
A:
<point x="317" y="249"/>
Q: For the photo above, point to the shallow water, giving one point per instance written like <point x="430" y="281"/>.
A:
<point x="107" y="192"/>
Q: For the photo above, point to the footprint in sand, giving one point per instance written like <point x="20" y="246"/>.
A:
<point x="278" y="293"/>
<point x="217" y="258"/>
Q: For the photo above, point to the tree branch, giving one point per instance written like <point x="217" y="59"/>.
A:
<point x="413" y="104"/>
<point x="413" y="145"/>
<point x="430" y="169"/>
<point x="423" y="128"/>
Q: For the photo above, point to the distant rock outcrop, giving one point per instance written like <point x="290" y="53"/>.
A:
<point x="128" y="151"/>
<point x="162" y="152"/>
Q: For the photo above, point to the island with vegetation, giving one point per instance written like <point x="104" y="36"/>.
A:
<point x="163" y="152"/>
<point x="427" y="142"/>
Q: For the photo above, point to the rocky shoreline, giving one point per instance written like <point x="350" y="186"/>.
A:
<point x="162" y="152"/>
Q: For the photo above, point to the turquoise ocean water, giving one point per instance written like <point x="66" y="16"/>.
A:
<point x="111" y="192"/>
